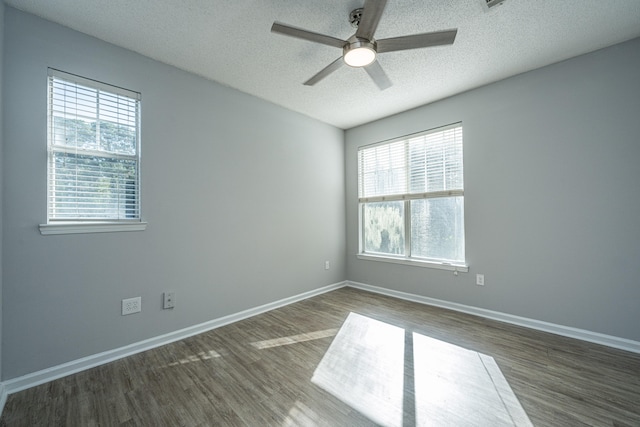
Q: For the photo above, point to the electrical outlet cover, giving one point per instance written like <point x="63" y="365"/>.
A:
<point x="131" y="305"/>
<point x="169" y="300"/>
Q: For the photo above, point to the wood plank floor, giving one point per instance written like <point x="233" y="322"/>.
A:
<point x="334" y="360"/>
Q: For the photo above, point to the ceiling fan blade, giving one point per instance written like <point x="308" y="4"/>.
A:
<point x="378" y="75"/>
<point x="325" y="72"/>
<point x="371" y="13"/>
<point x="416" y="41"/>
<point x="299" y="33"/>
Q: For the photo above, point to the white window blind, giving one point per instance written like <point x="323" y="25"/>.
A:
<point x="93" y="151"/>
<point x="411" y="195"/>
<point x="421" y="166"/>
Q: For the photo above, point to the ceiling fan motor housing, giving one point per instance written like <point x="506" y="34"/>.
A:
<point x="359" y="52"/>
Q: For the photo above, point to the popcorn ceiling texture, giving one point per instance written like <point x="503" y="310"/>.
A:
<point x="230" y="42"/>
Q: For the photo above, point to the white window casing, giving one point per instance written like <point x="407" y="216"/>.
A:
<point x="93" y="170"/>
<point x="411" y="197"/>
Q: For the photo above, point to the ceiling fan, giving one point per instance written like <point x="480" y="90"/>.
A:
<point x="361" y="49"/>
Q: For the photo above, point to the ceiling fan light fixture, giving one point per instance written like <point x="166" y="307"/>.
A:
<point x="359" y="54"/>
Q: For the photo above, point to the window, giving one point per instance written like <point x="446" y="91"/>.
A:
<point x="411" y="196"/>
<point x="93" y="152"/>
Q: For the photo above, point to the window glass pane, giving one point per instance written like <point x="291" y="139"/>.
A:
<point x="437" y="229"/>
<point x="93" y="187"/>
<point x="115" y="138"/>
<point x="118" y="116"/>
<point x="76" y="133"/>
<point x="115" y="125"/>
<point x="383" y="170"/>
<point x="384" y="227"/>
<point x="435" y="161"/>
<point x="73" y="100"/>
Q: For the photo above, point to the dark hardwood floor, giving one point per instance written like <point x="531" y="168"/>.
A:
<point x="349" y="358"/>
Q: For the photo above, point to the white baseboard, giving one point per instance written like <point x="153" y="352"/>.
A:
<point x="567" y="331"/>
<point x="40" y="377"/>
<point x="3" y="397"/>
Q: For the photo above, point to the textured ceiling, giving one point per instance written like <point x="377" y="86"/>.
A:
<point x="230" y="42"/>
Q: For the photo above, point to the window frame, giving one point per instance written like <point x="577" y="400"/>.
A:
<point x="91" y="225"/>
<point x="406" y="198"/>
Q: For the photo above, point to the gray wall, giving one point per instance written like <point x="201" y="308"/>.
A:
<point x="552" y="195"/>
<point x="245" y="201"/>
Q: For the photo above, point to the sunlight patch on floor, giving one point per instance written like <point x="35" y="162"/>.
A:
<point x="364" y="368"/>
<point x="301" y="415"/>
<point x="457" y="386"/>
<point x="293" y="339"/>
<point x="199" y="357"/>
<point x="397" y="378"/>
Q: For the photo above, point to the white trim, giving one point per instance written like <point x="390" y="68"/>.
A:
<point x="566" y="331"/>
<point x="415" y="262"/>
<point x="3" y="397"/>
<point x="90" y="227"/>
<point x="412" y="196"/>
<point x="49" y="374"/>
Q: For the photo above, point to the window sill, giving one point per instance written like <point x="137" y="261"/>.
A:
<point x="416" y="263"/>
<point x="90" y="227"/>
